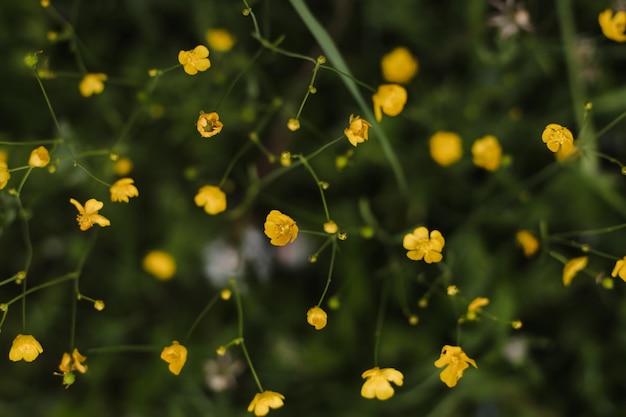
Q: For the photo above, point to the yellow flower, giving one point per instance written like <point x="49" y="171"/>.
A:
<point x="195" y="60"/>
<point x="317" y="317"/>
<point x="455" y="361"/>
<point x="66" y="364"/>
<point x="613" y="27"/>
<point x="176" y="356"/>
<point x="39" y="158"/>
<point x="558" y="139"/>
<point x="123" y="166"/>
<point x="389" y="99"/>
<point x="567" y="152"/>
<point x="220" y="40"/>
<point x="92" y="84"/>
<point x="445" y="148"/>
<point x="293" y="124"/>
<point x="330" y="227"/>
<point x="280" y="228"/>
<point x="399" y="66"/>
<point x="572" y="267"/>
<point x="123" y="189"/>
<point x="528" y="242"/>
<point x="452" y="290"/>
<point x="475" y="307"/>
<point x="487" y="153"/>
<point x="209" y="124"/>
<point x="45" y="3"/>
<point x="377" y="383"/>
<point x="620" y="269"/>
<point x="88" y="215"/>
<point x="98" y="305"/>
<point x="25" y="347"/>
<point x="212" y="198"/>
<point x="160" y="264"/>
<point x="357" y="131"/>
<point x="263" y="401"/>
<point x="5" y="175"/>
<point x="421" y="246"/>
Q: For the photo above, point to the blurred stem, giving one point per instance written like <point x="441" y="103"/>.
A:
<point x="50" y="109"/>
<point x="238" y="77"/>
<point x="319" y="183"/>
<point x="200" y="317"/>
<point x="310" y="89"/>
<point x="330" y="271"/>
<point x="381" y="318"/>
<point x="611" y="125"/>
<point x="50" y="283"/>
<point x="232" y="163"/>
<point x="76" y="289"/>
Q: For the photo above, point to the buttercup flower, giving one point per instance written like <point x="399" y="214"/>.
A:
<point x="455" y="361"/>
<point x="209" y="124"/>
<point x="421" y="246"/>
<point x="316" y="317"/>
<point x="613" y="26"/>
<point x="280" y="228"/>
<point x="25" y="347"/>
<point x="620" y="269"/>
<point x="212" y="198"/>
<point x="220" y="40"/>
<point x="389" y="99"/>
<point x="176" y="356"/>
<point x="123" y="189"/>
<point x="263" y="401"/>
<point x="88" y="215"/>
<point x="293" y="124"/>
<point x="357" y="131"/>
<point x="98" y="305"/>
<point x="377" y="382"/>
<point x="558" y="138"/>
<point x="475" y="307"/>
<point x="399" y="66"/>
<point x="5" y="175"/>
<point x="573" y="267"/>
<point x="160" y="264"/>
<point x="445" y="148"/>
<point x="330" y="227"/>
<point x="528" y="242"/>
<point x="92" y="84"/>
<point x="487" y="153"/>
<point x="39" y="158"/>
<point x="195" y="60"/>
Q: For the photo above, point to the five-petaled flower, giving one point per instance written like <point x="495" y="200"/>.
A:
<point x="422" y="246"/>
<point x="487" y="153"/>
<point x="25" y="347"/>
<point x="92" y="84"/>
<point x="527" y="240"/>
<point x="176" y="356"/>
<point x="558" y="139"/>
<point x="263" y="401"/>
<point x="445" y="148"/>
<point x="88" y="215"/>
<point x="123" y="189"/>
<point x="317" y="317"/>
<point x="455" y="361"/>
<point x="399" y="66"/>
<point x="212" y="198"/>
<point x="280" y="228"/>
<point x="39" y="158"/>
<point x="377" y="382"/>
<point x="573" y="267"/>
<point x="389" y="99"/>
<point x="160" y="264"/>
<point x="357" y="131"/>
<point x="613" y="26"/>
<point x="5" y="175"/>
<point x="209" y="124"/>
<point x="620" y="269"/>
<point x="195" y="60"/>
<point x="475" y="307"/>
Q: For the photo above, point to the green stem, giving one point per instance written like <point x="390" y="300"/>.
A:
<point x="55" y="281"/>
<point x="381" y="318"/>
<point x="200" y="317"/>
<point x="611" y="125"/>
<point x="330" y="271"/>
<point x="124" y="348"/>
<point x="308" y="167"/>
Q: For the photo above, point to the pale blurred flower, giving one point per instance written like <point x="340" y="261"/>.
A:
<point x="511" y="17"/>
<point x="220" y="374"/>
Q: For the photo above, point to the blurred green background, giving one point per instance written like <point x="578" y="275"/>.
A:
<point x="565" y="360"/>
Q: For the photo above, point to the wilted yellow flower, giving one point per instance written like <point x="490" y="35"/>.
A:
<point x="455" y="361"/>
<point x="487" y="153"/>
<point x="613" y="26"/>
<point x="5" y="175"/>
<point x="25" y="347"/>
<point x="399" y="66"/>
<point x="377" y="383"/>
<point x="88" y="215"/>
<point x="573" y="267"/>
<point x="176" y="356"/>
<point x="160" y="264"/>
<point x="212" y="198"/>
<point x="620" y="269"/>
<point x="330" y="227"/>
<point x="293" y="124"/>
<point x="67" y="365"/>
<point x="421" y="246"/>
<point x="558" y="139"/>
<point x="527" y="240"/>
<point x="39" y="158"/>
<point x="280" y="228"/>
<point x="475" y="307"/>
<point x="317" y="317"/>
<point x="357" y="131"/>
<point x="220" y="40"/>
<point x="195" y="60"/>
<point x="209" y="124"/>
<point x="389" y="99"/>
<point x="123" y="189"/>
<point x="263" y="401"/>
<point x="445" y="148"/>
<point x="98" y="305"/>
<point x="92" y="84"/>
